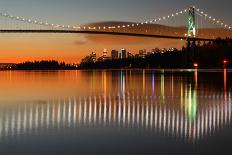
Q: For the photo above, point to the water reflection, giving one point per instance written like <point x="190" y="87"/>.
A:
<point x="193" y="121"/>
<point x="185" y="105"/>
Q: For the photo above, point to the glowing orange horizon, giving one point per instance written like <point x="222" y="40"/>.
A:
<point x="71" y="48"/>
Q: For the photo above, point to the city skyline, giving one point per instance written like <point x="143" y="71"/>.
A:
<point x="123" y="53"/>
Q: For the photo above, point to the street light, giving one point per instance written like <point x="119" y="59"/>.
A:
<point x="195" y="65"/>
<point x="226" y="62"/>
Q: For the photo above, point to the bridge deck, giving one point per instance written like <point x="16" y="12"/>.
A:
<point x="105" y="33"/>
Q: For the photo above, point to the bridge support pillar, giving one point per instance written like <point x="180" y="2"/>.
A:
<point x="191" y="42"/>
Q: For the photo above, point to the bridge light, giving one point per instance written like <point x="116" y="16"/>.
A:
<point x="168" y="16"/>
<point x="164" y="18"/>
<point x="137" y="24"/>
<point x="104" y="28"/>
<point x="185" y="10"/>
<point x="172" y="15"/>
<point x="202" y="12"/>
<point x="119" y="26"/>
<point x="214" y="19"/>
<point x="229" y="27"/>
<point x="177" y="14"/>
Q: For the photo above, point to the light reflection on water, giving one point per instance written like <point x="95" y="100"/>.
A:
<point x="188" y="106"/>
<point x="191" y="120"/>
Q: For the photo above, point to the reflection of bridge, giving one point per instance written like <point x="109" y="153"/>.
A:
<point x="195" y="15"/>
<point x="195" y="118"/>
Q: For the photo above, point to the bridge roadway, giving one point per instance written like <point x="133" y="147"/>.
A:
<point x="105" y="33"/>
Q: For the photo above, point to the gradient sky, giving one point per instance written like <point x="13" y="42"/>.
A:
<point x="17" y="48"/>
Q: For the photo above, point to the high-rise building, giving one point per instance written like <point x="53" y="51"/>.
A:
<point x="129" y="55"/>
<point x="104" y="56"/>
<point x="105" y="53"/>
<point x="122" y="53"/>
<point x="114" y="54"/>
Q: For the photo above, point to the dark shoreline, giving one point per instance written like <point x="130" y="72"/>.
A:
<point x="116" y="69"/>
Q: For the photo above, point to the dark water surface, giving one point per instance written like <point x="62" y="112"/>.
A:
<point x="116" y="112"/>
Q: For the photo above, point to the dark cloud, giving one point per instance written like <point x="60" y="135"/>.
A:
<point x="80" y="42"/>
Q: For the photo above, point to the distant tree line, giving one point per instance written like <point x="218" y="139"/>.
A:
<point x="42" y="65"/>
<point x="211" y="54"/>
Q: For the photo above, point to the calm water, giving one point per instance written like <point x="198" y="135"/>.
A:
<point x="116" y="112"/>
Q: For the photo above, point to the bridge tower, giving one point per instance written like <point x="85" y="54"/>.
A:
<point x="191" y="35"/>
<point x="191" y="22"/>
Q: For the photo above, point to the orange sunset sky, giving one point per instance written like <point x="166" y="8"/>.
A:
<point x="71" y="48"/>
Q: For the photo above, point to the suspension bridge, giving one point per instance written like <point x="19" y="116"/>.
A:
<point x="171" y="26"/>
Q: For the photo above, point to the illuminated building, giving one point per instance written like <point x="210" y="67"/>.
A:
<point x="104" y="53"/>
<point x="129" y="55"/>
<point x="114" y="54"/>
<point x="122" y="53"/>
